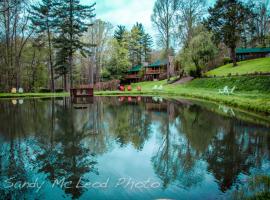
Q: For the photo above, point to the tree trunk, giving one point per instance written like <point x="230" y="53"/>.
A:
<point x="233" y="56"/>
<point x="50" y="58"/>
<point x="65" y="82"/>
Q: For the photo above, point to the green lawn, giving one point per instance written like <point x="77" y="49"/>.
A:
<point x="245" y="67"/>
<point x="252" y="93"/>
<point x="253" y="100"/>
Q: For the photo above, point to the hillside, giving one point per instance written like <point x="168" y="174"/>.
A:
<point x="245" y="67"/>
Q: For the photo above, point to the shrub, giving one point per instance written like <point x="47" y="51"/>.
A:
<point x="227" y="60"/>
<point x="229" y="75"/>
<point x="44" y="90"/>
<point x="58" y="90"/>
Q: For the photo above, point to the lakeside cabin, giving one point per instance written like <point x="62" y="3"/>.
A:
<point x="133" y="74"/>
<point x="156" y="70"/>
<point x="251" y="53"/>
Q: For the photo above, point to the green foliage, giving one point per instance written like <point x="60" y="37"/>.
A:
<point x="119" y="59"/>
<point x="119" y="33"/>
<point x="198" y="53"/>
<point x="226" y="20"/>
<point x="261" y="65"/>
<point x="72" y="21"/>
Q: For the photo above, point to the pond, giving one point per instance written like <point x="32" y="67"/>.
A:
<point x="130" y="148"/>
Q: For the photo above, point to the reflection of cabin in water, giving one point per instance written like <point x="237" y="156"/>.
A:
<point x="251" y="53"/>
<point x="156" y="70"/>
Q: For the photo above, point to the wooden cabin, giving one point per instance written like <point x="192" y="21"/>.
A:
<point x="133" y="75"/>
<point x="155" y="70"/>
<point x="251" y="53"/>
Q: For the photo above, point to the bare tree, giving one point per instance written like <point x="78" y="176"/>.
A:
<point x="189" y="15"/>
<point x="164" y="19"/>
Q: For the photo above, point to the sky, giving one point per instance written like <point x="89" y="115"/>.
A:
<point x="126" y="12"/>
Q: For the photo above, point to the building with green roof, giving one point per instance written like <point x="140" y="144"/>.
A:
<point x="251" y="53"/>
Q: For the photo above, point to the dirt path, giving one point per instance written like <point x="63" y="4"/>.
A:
<point x="184" y="80"/>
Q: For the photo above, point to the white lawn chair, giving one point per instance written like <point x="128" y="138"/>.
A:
<point x="225" y="90"/>
<point x="232" y="90"/>
<point x="155" y="87"/>
<point x="20" y="90"/>
<point x="160" y="87"/>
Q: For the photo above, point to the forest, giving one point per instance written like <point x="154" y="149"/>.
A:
<point x="53" y="45"/>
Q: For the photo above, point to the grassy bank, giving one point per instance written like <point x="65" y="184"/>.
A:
<point x="261" y="65"/>
<point x="32" y="95"/>
<point x="254" y="98"/>
<point x="252" y="93"/>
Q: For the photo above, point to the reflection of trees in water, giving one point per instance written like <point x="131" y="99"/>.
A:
<point x="16" y="153"/>
<point x="66" y="141"/>
<point x="198" y="138"/>
<point x="68" y="158"/>
<point x="129" y="123"/>
<point x="175" y="161"/>
<point x="233" y="151"/>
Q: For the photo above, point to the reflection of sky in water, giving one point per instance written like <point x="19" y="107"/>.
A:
<point x="191" y="152"/>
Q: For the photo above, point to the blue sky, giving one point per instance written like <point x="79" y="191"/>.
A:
<point x="126" y="12"/>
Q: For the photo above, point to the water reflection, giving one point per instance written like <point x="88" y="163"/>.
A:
<point x="190" y="146"/>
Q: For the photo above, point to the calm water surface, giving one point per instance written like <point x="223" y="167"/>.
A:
<point x="130" y="148"/>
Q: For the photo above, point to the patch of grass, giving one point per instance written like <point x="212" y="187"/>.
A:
<point x="245" y="67"/>
<point x="242" y="83"/>
<point x="28" y="95"/>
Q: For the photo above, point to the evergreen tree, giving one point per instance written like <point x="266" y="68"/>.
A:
<point x="119" y="33"/>
<point x="147" y="47"/>
<point x="226" y="20"/>
<point x="42" y="22"/>
<point x="72" y="22"/>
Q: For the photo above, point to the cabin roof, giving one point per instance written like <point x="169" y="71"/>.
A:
<point x="135" y="68"/>
<point x="252" y="50"/>
<point x="158" y="63"/>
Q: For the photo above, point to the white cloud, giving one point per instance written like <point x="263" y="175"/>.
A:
<point x="126" y="12"/>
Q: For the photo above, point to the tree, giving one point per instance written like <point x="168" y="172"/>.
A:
<point x="163" y="18"/>
<point x="119" y="33"/>
<point x="199" y="51"/>
<point x="119" y="59"/>
<point x="147" y="47"/>
<point x="188" y="17"/>
<point x="226" y="21"/>
<point x="42" y="20"/>
<point x="72" y="22"/>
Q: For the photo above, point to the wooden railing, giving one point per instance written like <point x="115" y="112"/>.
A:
<point x="154" y="71"/>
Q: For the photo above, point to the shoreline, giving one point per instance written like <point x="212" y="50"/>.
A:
<point x="252" y="101"/>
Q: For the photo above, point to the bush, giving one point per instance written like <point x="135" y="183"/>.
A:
<point x="44" y="90"/>
<point x="227" y="60"/>
<point x="229" y="75"/>
<point x="59" y="90"/>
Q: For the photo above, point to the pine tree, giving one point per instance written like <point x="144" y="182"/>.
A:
<point x="42" y="22"/>
<point x="72" y="22"/>
<point x="119" y="33"/>
<point x="226" y="20"/>
<point x="147" y="47"/>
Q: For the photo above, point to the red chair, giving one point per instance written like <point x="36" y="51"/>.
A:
<point x="122" y="88"/>
<point x="129" y="99"/>
<point x="139" y="88"/>
<point x="129" y="88"/>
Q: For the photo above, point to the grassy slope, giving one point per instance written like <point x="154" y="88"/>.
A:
<point x="255" y="99"/>
<point x="244" y="67"/>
